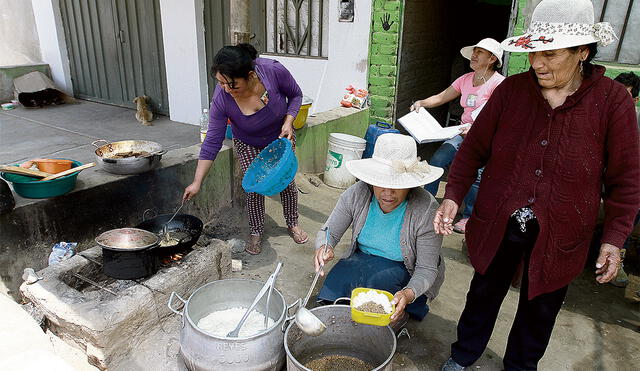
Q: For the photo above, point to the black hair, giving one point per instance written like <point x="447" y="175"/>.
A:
<point x="234" y="61"/>
<point x="630" y="79"/>
<point x="593" y="50"/>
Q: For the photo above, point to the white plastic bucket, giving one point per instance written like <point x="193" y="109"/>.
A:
<point x="342" y="149"/>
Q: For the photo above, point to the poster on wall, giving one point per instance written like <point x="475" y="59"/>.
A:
<point x="346" y="11"/>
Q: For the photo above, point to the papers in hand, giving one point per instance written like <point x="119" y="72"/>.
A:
<point x="425" y="129"/>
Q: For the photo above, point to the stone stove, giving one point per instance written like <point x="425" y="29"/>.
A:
<point x="109" y="323"/>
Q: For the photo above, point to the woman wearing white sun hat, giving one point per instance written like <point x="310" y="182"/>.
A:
<point x="393" y="246"/>
<point x="549" y="139"/>
<point x="474" y="89"/>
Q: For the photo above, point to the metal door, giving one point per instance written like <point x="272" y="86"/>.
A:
<point x="115" y="51"/>
<point x="216" y="30"/>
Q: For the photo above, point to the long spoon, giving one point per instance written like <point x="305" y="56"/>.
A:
<point x="308" y="322"/>
<point x="270" y="282"/>
<point x="165" y="232"/>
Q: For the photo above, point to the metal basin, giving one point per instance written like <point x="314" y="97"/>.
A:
<point x="375" y="345"/>
<point x="128" y="156"/>
<point x="203" y="351"/>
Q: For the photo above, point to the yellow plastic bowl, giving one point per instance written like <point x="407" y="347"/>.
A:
<point x="368" y="318"/>
<point x="301" y="118"/>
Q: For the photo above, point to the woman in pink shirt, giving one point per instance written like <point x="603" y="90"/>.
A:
<point x="474" y="89"/>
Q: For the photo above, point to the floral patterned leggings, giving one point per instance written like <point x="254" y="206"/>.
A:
<point x="255" y="201"/>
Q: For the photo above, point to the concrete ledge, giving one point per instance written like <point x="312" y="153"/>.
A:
<point x="8" y="73"/>
<point x="104" y="201"/>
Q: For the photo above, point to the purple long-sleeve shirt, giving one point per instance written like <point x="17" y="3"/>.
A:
<point x="262" y="127"/>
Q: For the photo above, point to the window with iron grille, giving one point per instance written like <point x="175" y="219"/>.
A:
<point x="297" y="28"/>
<point x="624" y="16"/>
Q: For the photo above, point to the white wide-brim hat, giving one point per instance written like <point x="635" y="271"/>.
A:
<point x="394" y="164"/>
<point x="557" y="24"/>
<point x="493" y="46"/>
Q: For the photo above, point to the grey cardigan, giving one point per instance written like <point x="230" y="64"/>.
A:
<point x="421" y="246"/>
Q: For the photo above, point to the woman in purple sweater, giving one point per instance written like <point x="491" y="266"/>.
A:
<point x="261" y="99"/>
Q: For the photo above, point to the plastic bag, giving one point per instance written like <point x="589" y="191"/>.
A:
<point x="62" y="251"/>
<point x="356" y="98"/>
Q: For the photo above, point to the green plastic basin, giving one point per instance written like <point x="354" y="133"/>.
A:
<point x="29" y="187"/>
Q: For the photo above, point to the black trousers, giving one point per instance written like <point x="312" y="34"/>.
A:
<point x="534" y="320"/>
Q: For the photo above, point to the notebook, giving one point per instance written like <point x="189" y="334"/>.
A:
<point x="425" y="129"/>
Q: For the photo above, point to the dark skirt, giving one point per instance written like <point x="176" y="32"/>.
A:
<point x="376" y="272"/>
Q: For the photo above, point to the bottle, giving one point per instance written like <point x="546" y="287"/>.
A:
<point x="204" y="124"/>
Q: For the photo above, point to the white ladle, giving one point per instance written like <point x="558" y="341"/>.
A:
<point x="307" y="321"/>
<point x="270" y="282"/>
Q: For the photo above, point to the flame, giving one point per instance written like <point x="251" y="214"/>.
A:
<point x="172" y="258"/>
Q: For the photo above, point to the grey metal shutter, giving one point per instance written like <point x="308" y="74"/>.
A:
<point x="115" y="51"/>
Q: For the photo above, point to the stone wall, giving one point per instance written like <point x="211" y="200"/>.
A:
<point x="383" y="59"/>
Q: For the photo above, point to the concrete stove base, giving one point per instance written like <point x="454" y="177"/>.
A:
<point x="109" y="328"/>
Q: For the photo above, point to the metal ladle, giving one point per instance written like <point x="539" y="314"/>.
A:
<point x="307" y="321"/>
<point x="165" y="232"/>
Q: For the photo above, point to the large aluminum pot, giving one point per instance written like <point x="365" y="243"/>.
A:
<point x="375" y="345"/>
<point x="203" y="351"/>
<point x="128" y="156"/>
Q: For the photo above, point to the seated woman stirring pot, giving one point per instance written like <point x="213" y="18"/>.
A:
<point x="393" y="246"/>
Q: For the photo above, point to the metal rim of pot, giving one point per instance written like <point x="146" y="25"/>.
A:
<point x="151" y="240"/>
<point x="297" y="363"/>
<point x="283" y="316"/>
<point x="100" y="150"/>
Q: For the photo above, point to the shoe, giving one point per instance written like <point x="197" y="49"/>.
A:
<point x="621" y="280"/>
<point x="451" y="365"/>
<point x="460" y="225"/>
<point x="298" y="234"/>
<point x="254" y="244"/>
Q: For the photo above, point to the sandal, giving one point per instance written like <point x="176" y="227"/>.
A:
<point x="461" y="225"/>
<point x="298" y="234"/>
<point x="254" y="244"/>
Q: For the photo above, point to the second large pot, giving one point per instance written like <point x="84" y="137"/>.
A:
<point x="375" y="345"/>
<point x="128" y="253"/>
<point x="203" y="351"/>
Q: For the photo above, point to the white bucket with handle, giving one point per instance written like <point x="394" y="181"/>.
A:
<point x="342" y="149"/>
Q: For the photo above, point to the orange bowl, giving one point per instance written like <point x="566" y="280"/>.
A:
<point x="52" y="166"/>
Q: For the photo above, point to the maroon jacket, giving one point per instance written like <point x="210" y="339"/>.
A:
<point x="555" y="160"/>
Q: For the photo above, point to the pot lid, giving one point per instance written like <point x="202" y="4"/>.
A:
<point x="127" y="239"/>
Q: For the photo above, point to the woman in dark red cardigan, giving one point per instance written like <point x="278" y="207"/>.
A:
<point x="549" y="139"/>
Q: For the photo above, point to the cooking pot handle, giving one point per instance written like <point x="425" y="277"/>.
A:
<point x="144" y="214"/>
<point x="184" y="302"/>
<point x="287" y="317"/>
<point x="95" y="142"/>
<point x="342" y="298"/>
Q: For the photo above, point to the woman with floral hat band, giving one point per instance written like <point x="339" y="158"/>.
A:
<point x="393" y="246"/>
<point x="548" y="139"/>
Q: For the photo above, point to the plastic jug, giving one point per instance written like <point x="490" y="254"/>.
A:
<point x="373" y="132"/>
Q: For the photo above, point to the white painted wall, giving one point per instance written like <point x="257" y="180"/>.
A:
<point x="52" y="42"/>
<point x="184" y="55"/>
<point x="347" y="64"/>
<point x="18" y="35"/>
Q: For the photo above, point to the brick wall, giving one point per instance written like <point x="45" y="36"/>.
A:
<point x="383" y="59"/>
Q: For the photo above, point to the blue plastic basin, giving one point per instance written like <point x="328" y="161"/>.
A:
<point x="273" y="170"/>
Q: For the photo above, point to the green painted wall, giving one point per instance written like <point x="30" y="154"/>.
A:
<point x="383" y="59"/>
<point x="312" y="140"/>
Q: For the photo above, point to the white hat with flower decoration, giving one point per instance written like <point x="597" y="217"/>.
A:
<point x="557" y="24"/>
<point x="394" y="164"/>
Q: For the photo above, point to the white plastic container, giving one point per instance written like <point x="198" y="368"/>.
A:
<point x="342" y="149"/>
<point x="204" y="124"/>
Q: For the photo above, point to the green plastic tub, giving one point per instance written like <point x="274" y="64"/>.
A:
<point x="29" y="187"/>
